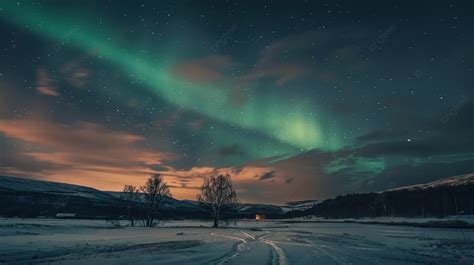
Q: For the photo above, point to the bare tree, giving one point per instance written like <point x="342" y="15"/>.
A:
<point x="218" y="195"/>
<point x="154" y="192"/>
<point x="131" y="196"/>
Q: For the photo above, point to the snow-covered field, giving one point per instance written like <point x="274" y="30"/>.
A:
<point x="52" y="241"/>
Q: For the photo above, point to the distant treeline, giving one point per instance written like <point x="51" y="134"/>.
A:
<point x="432" y="202"/>
<point x="439" y="201"/>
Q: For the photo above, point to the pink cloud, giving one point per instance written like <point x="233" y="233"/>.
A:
<point x="45" y="83"/>
<point x="204" y="70"/>
<point x="282" y="73"/>
<point x="83" y="153"/>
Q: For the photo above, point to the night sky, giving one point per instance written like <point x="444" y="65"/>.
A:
<point x="296" y="100"/>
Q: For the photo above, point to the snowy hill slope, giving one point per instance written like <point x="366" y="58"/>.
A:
<point x="29" y="185"/>
<point x="447" y="182"/>
<point x="299" y="205"/>
<point x="450" y="196"/>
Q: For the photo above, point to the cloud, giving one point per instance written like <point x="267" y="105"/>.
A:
<point x="48" y="91"/>
<point x="204" y="70"/>
<point x="195" y="124"/>
<point x="232" y="150"/>
<point x="379" y="160"/>
<point x="294" y="56"/>
<point x="245" y="180"/>
<point x="93" y="155"/>
<point x="71" y="72"/>
<point x="14" y="161"/>
<point x="45" y="84"/>
<point x="284" y="60"/>
<point x="81" y="152"/>
<point x="268" y="175"/>
<point x="74" y="73"/>
<point x="282" y="73"/>
<point x="289" y="180"/>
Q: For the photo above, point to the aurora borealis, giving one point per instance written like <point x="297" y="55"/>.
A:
<point x="295" y="100"/>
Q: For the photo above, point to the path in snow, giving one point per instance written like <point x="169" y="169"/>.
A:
<point x="256" y="249"/>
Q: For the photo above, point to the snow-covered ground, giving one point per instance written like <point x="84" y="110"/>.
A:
<point x="52" y="241"/>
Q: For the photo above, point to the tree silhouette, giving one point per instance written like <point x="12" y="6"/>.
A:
<point x="131" y="196"/>
<point x="155" y="191"/>
<point x="217" y="196"/>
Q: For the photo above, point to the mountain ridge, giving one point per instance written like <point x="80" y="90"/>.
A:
<point x="457" y="180"/>
<point x="27" y="197"/>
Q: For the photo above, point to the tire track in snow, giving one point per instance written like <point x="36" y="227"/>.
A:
<point x="278" y="256"/>
<point x="339" y="256"/>
<point x="322" y="249"/>
<point x="335" y="258"/>
<point x="247" y="235"/>
<point x="234" y="252"/>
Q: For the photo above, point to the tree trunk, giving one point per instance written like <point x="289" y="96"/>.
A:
<point x="423" y="207"/>
<point x="384" y="207"/>
<point x="149" y="221"/>
<point x="445" y="204"/>
<point x="470" y="205"/>
<point x="456" y="204"/>
<point x="129" y="215"/>
<point x="216" y="217"/>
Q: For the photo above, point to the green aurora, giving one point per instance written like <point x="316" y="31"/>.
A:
<point x="292" y="125"/>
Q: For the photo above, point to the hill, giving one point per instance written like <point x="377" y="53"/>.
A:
<point x="461" y="180"/>
<point x="441" y="198"/>
<point x="450" y="196"/>
<point x="32" y="198"/>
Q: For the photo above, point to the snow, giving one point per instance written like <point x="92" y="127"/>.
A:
<point x="451" y="181"/>
<point x="299" y="206"/>
<point x="52" y="241"/>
